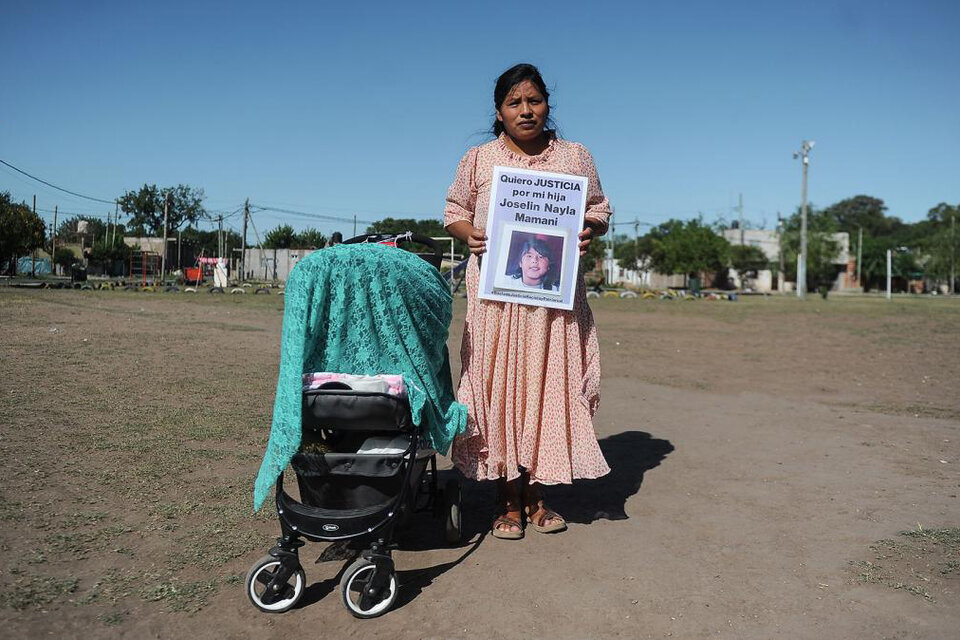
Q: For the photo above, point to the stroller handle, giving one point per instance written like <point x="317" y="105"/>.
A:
<point x="400" y="238"/>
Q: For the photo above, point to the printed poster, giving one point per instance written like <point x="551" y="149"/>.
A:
<point x="533" y="224"/>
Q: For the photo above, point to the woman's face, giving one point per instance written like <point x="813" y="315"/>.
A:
<point x="533" y="267"/>
<point x="524" y="112"/>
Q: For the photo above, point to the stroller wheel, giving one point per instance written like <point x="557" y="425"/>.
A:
<point x="453" y="518"/>
<point x="352" y="585"/>
<point x="270" y="601"/>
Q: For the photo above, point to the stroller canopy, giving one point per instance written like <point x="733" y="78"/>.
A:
<point x="363" y="309"/>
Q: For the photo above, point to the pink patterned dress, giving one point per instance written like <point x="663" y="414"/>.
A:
<point x="531" y="375"/>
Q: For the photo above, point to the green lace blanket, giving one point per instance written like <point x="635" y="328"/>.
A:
<point x="363" y="309"/>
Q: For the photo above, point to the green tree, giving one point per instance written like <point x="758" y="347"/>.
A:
<point x="864" y="212"/>
<point x="823" y="248"/>
<point x="680" y="247"/>
<point x="748" y="260"/>
<point x="280" y="237"/>
<point x="64" y="258"/>
<point x="96" y="230"/>
<point x="942" y="241"/>
<point x="207" y="242"/>
<point x="145" y="208"/>
<point x="430" y="227"/>
<point x="21" y="231"/>
<point x="309" y="239"/>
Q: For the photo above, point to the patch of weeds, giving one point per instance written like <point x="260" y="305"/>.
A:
<point x="112" y="587"/>
<point x="172" y="511"/>
<point x="867" y="572"/>
<point x="214" y="546"/>
<point x="949" y="537"/>
<point x="112" y="618"/>
<point x="71" y="546"/>
<point x="10" y="510"/>
<point x="920" y="561"/>
<point x="36" y="591"/>
<point x="181" y="596"/>
<point x="234" y="579"/>
<point x="79" y="519"/>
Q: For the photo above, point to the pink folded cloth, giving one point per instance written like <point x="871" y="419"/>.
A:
<point x="383" y="383"/>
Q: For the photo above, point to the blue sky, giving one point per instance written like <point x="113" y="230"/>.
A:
<point x="365" y="108"/>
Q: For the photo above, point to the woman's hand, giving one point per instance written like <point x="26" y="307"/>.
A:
<point x="586" y="237"/>
<point x="477" y="242"/>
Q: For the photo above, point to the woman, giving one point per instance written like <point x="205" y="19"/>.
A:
<point x="535" y="266"/>
<point x="531" y="375"/>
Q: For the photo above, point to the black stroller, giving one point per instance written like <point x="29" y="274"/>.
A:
<point x="361" y="472"/>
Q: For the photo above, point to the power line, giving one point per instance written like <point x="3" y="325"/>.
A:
<point x="317" y="216"/>
<point x="41" y="180"/>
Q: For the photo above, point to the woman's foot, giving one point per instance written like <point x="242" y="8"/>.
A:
<point x="539" y="516"/>
<point x="508" y="524"/>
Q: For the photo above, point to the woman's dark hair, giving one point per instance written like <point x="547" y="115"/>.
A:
<point x="511" y="78"/>
<point x="543" y="249"/>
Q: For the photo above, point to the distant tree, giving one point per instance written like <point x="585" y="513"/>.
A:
<point x="96" y="230"/>
<point x="64" y="258"/>
<point x="748" y="260"/>
<point x="430" y="227"/>
<point x="822" y="247"/>
<point x="687" y="248"/>
<point x="280" y="237"/>
<point x="942" y="242"/>
<point x="864" y="212"/>
<point x="21" y="231"/>
<point x="207" y="242"/>
<point x="145" y="208"/>
<point x="309" y="239"/>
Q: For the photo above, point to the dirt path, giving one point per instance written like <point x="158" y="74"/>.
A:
<point x="759" y="453"/>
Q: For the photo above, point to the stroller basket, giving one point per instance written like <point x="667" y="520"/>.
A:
<point x="343" y="409"/>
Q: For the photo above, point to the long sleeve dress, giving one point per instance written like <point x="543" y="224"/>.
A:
<point x="530" y="375"/>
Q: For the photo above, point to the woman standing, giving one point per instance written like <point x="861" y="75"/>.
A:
<point x="531" y="375"/>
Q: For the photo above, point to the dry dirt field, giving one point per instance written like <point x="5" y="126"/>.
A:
<point x="780" y="469"/>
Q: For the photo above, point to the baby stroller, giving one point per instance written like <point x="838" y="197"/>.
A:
<point x="362" y="468"/>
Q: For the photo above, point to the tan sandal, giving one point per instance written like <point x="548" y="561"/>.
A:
<point x="537" y="512"/>
<point x="543" y="514"/>
<point x="506" y="534"/>
<point x="509" y="501"/>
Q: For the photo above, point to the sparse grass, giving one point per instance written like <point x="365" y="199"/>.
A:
<point x="181" y="596"/>
<point x="137" y="480"/>
<point x="35" y="591"/>
<point x="920" y="560"/>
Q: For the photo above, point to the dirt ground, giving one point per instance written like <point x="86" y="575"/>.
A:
<point x="780" y="469"/>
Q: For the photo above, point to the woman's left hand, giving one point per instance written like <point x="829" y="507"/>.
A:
<point x="586" y="236"/>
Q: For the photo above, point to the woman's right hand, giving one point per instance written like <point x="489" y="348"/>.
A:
<point x="477" y="242"/>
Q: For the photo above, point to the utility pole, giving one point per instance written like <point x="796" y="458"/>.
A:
<point x="220" y="236"/>
<point x="354" y="225"/>
<point x="163" y="258"/>
<point x="53" y="242"/>
<point x="33" y="256"/>
<point x="783" y="268"/>
<point x="740" y="211"/>
<point x="116" y="223"/>
<point x="804" y="152"/>
<point x="953" y="252"/>
<point x="889" y="273"/>
<point x="613" y="251"/>
<point x="859" y="256"/>
<point x="243" y="244"/>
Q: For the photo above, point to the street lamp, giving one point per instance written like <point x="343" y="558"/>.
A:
<point x="802" y="267"/>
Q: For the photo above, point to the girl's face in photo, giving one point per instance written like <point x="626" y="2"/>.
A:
<point x="533" y="267"/>
<point x="524" y="112"/>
